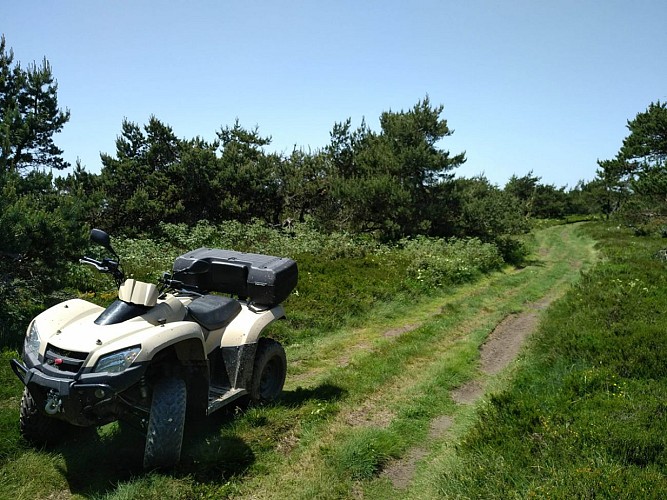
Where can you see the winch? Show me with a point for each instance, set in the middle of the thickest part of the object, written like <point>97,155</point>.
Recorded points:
<point>53,403</point>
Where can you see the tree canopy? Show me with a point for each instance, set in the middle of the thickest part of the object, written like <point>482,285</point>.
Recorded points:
<point>635,181</point>
<point>646,145</point>
<point>29,115</point>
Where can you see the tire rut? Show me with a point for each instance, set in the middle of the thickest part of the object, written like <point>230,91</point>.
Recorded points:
<point>498,351</point>
<point>376,408</point>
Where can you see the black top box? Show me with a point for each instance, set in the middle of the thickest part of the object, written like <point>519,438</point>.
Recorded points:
<point>263,279</point>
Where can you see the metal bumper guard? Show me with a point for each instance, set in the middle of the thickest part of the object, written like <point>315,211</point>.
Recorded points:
<point>86,400</point>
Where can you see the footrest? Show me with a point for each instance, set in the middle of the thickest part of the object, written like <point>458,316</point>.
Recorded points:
<point>222,396</point>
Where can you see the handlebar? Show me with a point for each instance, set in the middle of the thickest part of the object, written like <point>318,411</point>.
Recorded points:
<point>168,283</point>
<point>105,266</point>
<point>95,263</point>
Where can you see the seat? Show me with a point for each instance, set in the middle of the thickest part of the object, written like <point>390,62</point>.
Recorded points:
<point>214,311</point>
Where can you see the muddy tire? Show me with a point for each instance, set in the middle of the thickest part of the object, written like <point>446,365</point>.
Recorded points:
<point>269,371</point>
<point>164,436</point>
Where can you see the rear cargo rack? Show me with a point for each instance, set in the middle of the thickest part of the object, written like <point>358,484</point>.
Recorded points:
<point>264,280</point>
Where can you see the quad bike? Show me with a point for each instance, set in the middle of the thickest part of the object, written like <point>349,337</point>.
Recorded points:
<point>157,351</point>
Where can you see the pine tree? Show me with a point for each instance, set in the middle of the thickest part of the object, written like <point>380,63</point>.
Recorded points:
<point>29,115</point>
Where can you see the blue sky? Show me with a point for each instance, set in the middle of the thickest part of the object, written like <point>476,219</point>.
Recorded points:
<point>526,85</point>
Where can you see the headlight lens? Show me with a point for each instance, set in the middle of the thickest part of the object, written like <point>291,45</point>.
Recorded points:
<point>32,340</point>
<point>117,362</point>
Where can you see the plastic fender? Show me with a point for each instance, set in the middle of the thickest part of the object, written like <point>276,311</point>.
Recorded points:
<point>155,339</point>
<point>169,310</point>
<point>247,326</point>
<point>50,321</point>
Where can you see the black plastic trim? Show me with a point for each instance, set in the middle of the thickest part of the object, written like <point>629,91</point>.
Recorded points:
<point>119,311</point>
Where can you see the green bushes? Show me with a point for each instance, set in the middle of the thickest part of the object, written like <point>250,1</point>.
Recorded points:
<point>259,237</point>
<point>341,276</point>
<point>436,262</point>
<point>40,232</point>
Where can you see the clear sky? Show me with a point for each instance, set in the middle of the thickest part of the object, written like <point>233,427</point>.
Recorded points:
<point>546,86</point>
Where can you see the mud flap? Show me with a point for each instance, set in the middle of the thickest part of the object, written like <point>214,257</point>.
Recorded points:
<point>238,363</point>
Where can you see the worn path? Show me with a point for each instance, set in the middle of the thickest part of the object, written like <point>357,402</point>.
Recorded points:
<point>492,318</point>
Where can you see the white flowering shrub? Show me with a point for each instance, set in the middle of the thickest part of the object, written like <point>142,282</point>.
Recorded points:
<point>436,262</point>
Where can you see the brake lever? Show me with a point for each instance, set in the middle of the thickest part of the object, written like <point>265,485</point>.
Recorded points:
<point>95,263</point>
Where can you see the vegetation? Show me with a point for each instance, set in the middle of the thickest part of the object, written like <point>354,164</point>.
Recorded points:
<point>385,186</point>
<point>40,229</point>
<point>405,269</point>
<point>583,417</point>
<point>29,115</point>
<point>635,180</point>
<point>388,359</point>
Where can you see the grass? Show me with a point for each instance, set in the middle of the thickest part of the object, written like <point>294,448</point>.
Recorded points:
<point>585,414</point>
<point>356,399</point>
<point>399,386</point>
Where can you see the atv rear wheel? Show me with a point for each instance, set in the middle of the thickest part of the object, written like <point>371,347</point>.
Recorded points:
<point>35,427</point>
<point>269,371</point>
<point>164,436</point>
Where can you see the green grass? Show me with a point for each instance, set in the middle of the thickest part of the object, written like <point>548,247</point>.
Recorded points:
<point>356,399</point>
<point>401,384</point>
<point>585,415</point>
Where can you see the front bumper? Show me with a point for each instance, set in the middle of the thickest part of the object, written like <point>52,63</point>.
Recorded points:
<point>82,399</point>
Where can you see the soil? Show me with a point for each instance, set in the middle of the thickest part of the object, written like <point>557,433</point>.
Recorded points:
<point>347,357</point>
<point>500,349</point>
<point>368,415</point>
<point>396,332</point>
<point>505,341</point>
<point>468,393</point>
<point>400,472</point>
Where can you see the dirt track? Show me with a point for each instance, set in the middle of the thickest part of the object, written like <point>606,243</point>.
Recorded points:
<point>465,340</point>
<point>500,349</point>
<point>502,346</point>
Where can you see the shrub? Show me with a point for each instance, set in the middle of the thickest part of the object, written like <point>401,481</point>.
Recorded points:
<point>437,262</point>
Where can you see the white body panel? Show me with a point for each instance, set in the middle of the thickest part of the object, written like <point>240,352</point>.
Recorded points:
<point>71,326</point>
<point>247,326</point>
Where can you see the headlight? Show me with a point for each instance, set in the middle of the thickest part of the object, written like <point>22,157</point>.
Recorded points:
<point>32,340</point>
<point>118,361</point>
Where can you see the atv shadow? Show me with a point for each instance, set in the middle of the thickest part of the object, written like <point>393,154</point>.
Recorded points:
<point>323,392</point>
<point>98,461</point>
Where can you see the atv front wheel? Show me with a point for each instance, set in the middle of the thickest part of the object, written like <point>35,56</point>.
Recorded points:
<point>164,436</point>
<point>269,371</point>
<point>35,427</point>
<point>41,430</point>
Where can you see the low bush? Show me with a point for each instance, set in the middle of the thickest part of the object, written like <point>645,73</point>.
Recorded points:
<point>341,276</point>
<point>437,262</point>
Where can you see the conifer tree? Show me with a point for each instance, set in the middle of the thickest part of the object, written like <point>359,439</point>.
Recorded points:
<point>29,115</point>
